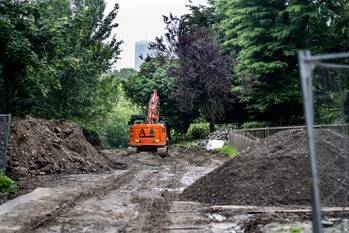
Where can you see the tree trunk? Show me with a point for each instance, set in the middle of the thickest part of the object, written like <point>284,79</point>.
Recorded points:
<point>212,122</point>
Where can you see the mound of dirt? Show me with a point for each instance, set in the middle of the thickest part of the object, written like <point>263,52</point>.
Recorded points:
<point>276,172</point>
<point>39,147</point>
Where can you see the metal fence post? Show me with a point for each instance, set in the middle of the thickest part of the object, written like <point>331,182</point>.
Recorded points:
<point>306,71</point>
<point>6,124</point>
<point>7,134</point>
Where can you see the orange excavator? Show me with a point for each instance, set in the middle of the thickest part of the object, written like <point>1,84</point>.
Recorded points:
<point>149,133</point>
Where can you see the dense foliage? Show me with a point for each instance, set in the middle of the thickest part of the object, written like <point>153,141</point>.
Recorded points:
<point>203,79</point>
<point>232,61</point>
<point>262,39</point>
<point>198,131</point>
<point>203,74</point>
<point>52,55</point>
<point>154,74</point>
<point>116,132</point>
<point>265,36</point>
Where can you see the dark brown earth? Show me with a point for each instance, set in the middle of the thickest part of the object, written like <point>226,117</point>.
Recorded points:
<point>40,147</point>
<point>276,172</point>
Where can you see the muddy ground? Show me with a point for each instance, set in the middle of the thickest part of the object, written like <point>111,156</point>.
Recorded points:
<point>141,198</point>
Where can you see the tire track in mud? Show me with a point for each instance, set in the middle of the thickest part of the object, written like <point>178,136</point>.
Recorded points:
<point>137,200</point>
<point>154,209</point>
<point>88,192</point>
<point>152,203</point>
<point>157,218</point>
<point>151,207</point>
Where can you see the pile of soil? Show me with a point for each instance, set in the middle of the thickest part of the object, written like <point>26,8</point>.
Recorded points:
<point>39,147</point>
<point>276,172</point>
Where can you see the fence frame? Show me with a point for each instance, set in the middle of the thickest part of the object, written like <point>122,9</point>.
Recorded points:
<point>267,131</point>
<point>307,64</point>
<point>6,139</point>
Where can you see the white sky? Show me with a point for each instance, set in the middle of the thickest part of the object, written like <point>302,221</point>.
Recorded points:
<point>142,20</point>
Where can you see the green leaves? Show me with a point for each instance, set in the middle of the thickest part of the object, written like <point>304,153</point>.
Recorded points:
<point>265,37</point>
<point>7,185</point>
<point>52,57</point>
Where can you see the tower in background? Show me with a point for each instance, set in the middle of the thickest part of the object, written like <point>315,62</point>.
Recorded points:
<point>141,50</point>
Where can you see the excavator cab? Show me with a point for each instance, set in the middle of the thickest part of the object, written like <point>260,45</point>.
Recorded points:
<point>137,119</point>
<point>149,133</point>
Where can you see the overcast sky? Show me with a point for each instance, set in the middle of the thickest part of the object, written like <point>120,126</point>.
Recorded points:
<point>142,20</point>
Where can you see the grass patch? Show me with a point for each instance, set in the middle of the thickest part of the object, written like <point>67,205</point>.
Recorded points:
<point>188,144</point>
<point>7,185</point>
<point>228,149</point>
<point>296,230</point>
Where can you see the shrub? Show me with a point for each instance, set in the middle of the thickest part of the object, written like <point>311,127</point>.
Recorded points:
<point>7,185</point>
<point>117,134</point>
<point>198,131</point>
<point>253,125</point>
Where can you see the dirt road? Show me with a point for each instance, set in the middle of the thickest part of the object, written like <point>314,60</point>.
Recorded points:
<point>139,199</point>
<point>142,198</point>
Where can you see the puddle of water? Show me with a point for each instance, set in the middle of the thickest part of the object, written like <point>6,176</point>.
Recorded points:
<point>176,190</point>
<point>166,176</point>
<point>216,217</point>
<point>225,228</point>
<point>193,174</point>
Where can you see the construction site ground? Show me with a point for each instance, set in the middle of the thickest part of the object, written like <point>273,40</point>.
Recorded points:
<point>142,198</point>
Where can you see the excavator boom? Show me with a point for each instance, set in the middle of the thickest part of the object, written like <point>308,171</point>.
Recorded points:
<point>153,108</point>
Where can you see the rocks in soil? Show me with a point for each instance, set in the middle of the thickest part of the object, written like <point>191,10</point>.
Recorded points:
<point>39,147</point>
<point>226,133</point>
<point>276,172</point>
<point>240,139</point>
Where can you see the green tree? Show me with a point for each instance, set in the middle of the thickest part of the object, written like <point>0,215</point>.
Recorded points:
<point>265,36</point>
<point>116,132</point>
<point>124,74</point>
<point>52,56</point>
<point>154,74</point>
<point>24,47</point>
<point>82,57</point>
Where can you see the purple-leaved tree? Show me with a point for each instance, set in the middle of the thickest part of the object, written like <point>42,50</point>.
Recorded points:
<point>203,77</point>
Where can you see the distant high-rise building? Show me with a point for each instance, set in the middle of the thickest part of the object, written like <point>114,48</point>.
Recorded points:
<point>141,50</point>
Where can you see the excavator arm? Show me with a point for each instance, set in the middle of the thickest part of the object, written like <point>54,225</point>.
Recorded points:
<point>153,108</point>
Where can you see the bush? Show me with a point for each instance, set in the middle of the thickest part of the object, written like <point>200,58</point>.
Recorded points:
<point>198,131</point>
<point>117,134</point>
<point>7,185</point>
<point>253,125</point>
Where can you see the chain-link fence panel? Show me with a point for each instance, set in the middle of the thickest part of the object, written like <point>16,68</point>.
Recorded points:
<point>5,121</point>
<point>325,81</point>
